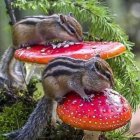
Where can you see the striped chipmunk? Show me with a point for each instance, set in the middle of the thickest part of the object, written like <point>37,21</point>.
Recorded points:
<point>33,30</point>
<point>60,76</point>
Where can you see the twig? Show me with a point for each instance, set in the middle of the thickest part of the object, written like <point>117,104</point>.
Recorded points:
<point>10,11</point>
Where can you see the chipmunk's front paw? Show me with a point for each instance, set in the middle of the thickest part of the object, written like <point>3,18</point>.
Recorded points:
<point>86,98</point>
<point>59,99</point>
<point>25,45</point>
<point>63,44</point>
<point>66,44</point>
<point>28,44</point>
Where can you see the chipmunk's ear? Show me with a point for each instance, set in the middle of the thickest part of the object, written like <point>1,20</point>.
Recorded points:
<point>92,60</point>
<point>70,14</point>
<point>62,19</point>
<point>89,62</point>
<point>97,55</point>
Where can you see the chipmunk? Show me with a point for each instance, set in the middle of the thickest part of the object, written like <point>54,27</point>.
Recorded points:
<point>60,76</point>
<point>33,30</point>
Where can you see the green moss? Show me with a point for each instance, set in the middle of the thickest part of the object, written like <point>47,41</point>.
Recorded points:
<point>14,117</point>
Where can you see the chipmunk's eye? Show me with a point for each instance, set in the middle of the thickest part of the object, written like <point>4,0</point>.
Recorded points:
<point>72,29</point>
<point>97,66</point>
<point>107,74</point>
<point>101,70</point>
<point>110,78</point>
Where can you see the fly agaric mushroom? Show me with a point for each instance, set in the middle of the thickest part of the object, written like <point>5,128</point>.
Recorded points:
<point>107,111</point>
<point>82,50</point>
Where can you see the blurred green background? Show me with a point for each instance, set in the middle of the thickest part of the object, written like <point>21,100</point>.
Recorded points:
<point>126,13</point>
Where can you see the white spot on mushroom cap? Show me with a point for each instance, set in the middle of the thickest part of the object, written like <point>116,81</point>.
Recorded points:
<point>48,51</point>
<point>77,43</point>
<point>74,102</point>
<point>43,50</point>
<point>66,46</point>
<point>72,113</point>
<point>92,95</point>
<point>89,121</point>
<point>81,105</point>
<point>86,56</point>
<point>100,102</point>
<point>20,54</point>
<point>28,48</point>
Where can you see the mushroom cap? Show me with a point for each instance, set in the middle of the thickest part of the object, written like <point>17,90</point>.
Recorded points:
<point>107,111</point>
<point>82,50</point>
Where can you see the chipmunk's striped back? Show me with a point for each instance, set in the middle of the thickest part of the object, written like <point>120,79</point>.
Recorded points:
<point>33,20</point>
<point>63,66</point>
<point>67,23</point>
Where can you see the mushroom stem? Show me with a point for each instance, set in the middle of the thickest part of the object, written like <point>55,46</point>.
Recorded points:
<point>33,69</point>
<point>30,71</point>
<point>91,135</point>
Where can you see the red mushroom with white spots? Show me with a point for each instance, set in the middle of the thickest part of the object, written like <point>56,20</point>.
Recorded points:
<point>107,111</point>
<point>83,50</point>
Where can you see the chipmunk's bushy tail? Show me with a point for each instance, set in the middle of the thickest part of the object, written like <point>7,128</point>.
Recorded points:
<point>4,66</point>
<point>37,121</point>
